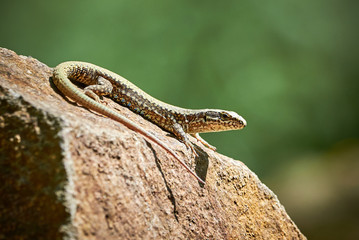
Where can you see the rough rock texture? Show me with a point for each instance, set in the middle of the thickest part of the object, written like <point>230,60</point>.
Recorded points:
<point>67,172</point>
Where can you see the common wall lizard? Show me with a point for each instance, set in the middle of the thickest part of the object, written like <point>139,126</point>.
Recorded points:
<point>179,121</point>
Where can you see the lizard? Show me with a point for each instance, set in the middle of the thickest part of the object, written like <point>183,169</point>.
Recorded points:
<point>178,121</point>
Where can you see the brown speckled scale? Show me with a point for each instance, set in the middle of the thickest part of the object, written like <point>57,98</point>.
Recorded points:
<point>179,121</point>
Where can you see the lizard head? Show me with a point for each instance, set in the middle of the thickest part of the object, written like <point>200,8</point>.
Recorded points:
<point>213,120</point>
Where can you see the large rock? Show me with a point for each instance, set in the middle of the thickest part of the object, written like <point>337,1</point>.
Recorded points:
<point>67,172</point>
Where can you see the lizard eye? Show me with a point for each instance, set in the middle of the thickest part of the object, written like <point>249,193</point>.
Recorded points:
<point>211,116</point>
<point>224,116</point>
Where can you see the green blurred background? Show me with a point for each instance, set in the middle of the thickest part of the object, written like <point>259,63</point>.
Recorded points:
<point>289,67</point>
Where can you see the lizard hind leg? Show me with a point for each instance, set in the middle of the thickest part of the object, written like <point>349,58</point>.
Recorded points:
<point>102,88</point>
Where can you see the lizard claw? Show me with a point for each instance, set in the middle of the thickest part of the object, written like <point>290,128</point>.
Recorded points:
<point>190,146</point>
<point>92,95</point>
<point>95,97</point>
<point>204,142</point>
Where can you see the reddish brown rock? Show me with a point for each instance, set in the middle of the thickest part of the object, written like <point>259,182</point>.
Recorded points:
<point>67,172</point>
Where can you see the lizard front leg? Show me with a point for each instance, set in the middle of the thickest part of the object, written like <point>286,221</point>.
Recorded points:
<point>204,142</point>
<point>177,130</point>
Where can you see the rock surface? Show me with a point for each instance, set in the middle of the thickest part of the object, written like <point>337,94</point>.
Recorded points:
<point>68,173</point>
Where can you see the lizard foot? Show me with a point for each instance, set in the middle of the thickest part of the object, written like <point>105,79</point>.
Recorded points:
<point>201,140</point>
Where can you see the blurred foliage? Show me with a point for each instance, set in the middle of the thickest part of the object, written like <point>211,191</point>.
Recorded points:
<point>289,67</point>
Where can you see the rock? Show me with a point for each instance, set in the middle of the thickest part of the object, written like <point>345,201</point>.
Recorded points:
<point>70,173</point>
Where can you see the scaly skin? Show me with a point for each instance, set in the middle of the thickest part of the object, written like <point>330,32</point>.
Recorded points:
<point>179,121</point>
